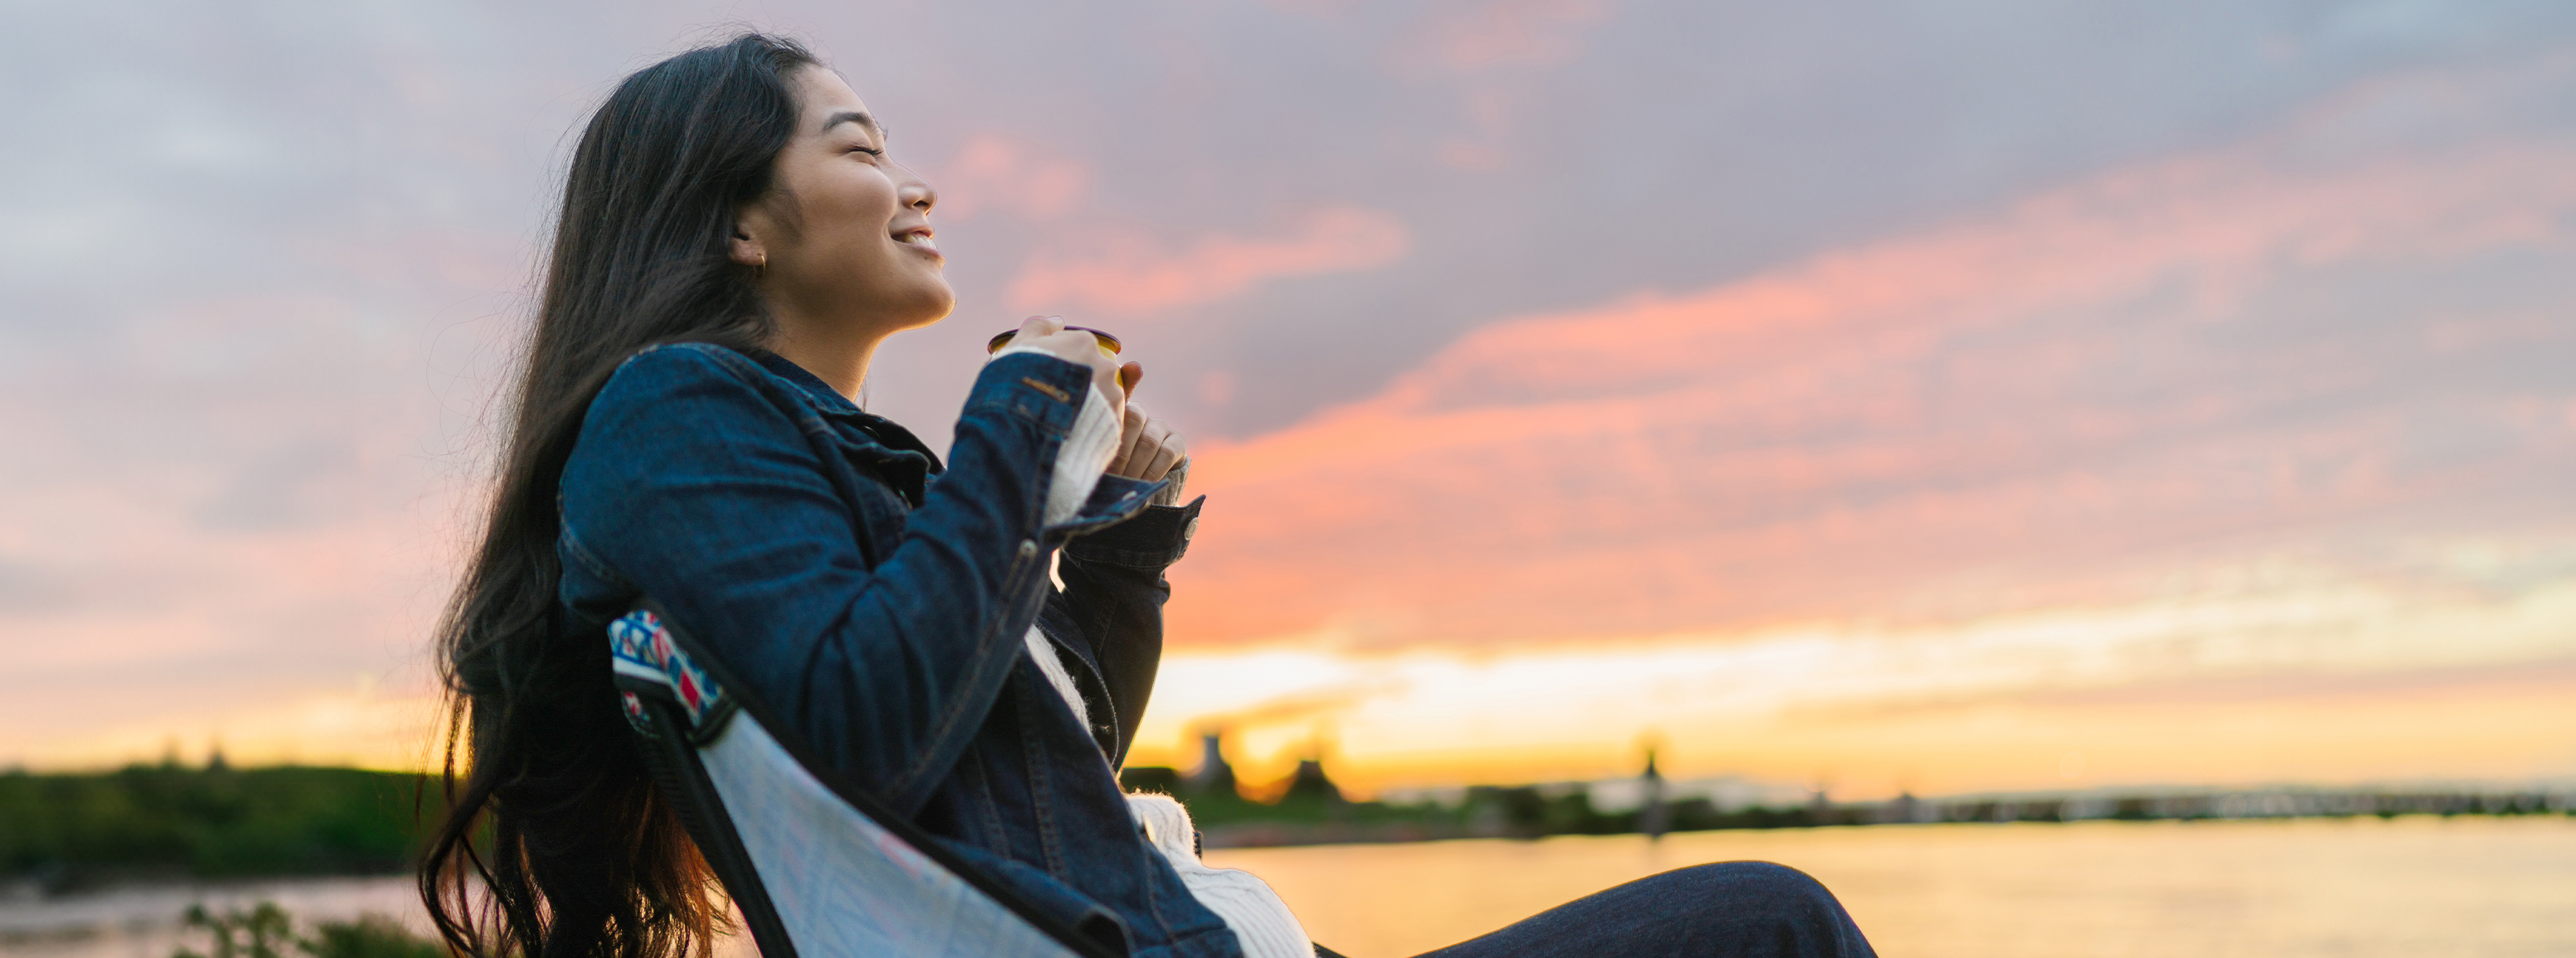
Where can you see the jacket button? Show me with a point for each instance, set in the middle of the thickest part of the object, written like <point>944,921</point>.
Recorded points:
<point>1028,548</point>
<point>1190,530</point>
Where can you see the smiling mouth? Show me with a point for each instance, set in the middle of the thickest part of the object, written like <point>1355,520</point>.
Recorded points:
<point>918,239</point>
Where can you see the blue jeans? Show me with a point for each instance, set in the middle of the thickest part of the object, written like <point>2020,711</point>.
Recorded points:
<point>1748,909</point>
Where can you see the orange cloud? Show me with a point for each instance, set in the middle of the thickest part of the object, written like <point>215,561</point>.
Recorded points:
<point>1126,272</point>
<point>2121,696</point>
<point>2030,408</point>
<point>231,540</point>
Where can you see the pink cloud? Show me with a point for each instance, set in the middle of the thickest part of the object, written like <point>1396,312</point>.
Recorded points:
<point>212,534</point>
<point>995,172</point>
<point>1494,52</point>
<point>1127,272</point>
<point>2013,408</point>
<point>1508,33</point>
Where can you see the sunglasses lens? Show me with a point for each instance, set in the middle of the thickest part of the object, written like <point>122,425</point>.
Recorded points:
<point>1108,343</point>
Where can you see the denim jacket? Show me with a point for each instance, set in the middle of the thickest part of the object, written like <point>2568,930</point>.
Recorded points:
<point>880,602</point>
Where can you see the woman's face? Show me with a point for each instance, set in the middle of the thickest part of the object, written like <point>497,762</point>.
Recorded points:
<point>846,231</point>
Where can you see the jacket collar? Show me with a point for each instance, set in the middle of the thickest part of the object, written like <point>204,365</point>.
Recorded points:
<point>830,402</point>
<point>815,388</point>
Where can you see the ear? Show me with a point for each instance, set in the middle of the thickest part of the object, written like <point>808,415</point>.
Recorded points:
<point>746,246</point>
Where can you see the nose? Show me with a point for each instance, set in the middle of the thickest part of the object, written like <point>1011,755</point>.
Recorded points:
<point>915,192</point>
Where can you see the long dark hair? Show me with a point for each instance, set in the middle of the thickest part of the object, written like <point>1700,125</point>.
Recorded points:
<point>555,817</point>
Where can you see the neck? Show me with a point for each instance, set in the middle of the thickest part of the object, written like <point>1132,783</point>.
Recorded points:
<point>838,357</point>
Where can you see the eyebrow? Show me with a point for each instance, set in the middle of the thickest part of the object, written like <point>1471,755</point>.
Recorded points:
<point>852,116</point>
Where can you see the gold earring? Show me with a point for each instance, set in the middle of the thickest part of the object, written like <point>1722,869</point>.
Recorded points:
<point>761,270</point>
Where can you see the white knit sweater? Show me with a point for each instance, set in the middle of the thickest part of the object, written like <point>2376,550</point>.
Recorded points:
<point>1260,919</point>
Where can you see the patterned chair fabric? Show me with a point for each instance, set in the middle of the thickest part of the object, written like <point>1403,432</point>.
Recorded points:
<point>815,870</point>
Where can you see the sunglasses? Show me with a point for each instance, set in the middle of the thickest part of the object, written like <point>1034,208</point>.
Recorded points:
<point>1108,344</point>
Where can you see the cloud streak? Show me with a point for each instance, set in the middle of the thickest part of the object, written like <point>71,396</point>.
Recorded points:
<point>2270,345</point>
<point>2276,681</point>
<point>1959,346</point>
<point>1126,272</point>
<point>996,172</point>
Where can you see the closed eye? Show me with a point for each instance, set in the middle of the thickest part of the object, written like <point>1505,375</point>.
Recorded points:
<point>871,151</point>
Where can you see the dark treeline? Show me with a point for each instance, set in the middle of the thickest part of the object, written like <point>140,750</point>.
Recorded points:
<point>147,822</point>
<point>1313,812</point>
<point>166,822</point>
<point>1315,816</point>
<point>2209,805</point>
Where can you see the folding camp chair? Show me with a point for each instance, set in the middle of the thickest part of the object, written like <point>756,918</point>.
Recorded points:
<point>817,867</point>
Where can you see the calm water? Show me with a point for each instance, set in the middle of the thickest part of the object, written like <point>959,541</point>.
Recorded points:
<point>2354,889</point>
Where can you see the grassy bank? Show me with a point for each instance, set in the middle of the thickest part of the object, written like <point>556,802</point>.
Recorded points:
<point>1319,815</point>
<point>166,821</point>
<point>1312,812</point>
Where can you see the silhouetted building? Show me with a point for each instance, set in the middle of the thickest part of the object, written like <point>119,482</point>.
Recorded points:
<point>1310,783</point>
<point>1214,775</point>
<point>1903,808</point>
<point>1652,817</point>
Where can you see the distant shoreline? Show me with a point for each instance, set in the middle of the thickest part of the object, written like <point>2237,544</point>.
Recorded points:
<point>149,825</point>
<point>1686,817</point>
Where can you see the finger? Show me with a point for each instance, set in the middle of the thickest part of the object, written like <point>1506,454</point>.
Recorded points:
<point>1131,431</point>
<point>1154,448</point>
<point>1160,466</point>
<point>1036,332</point>
<point>1166,455</point>
<point>1029,330</point>
<point>1079,347</point>
<point>1131,374</point>
<point>1105,378</point>
<point>1038,326</point>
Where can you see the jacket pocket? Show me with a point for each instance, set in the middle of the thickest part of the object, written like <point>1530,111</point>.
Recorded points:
<point>1088,918</point>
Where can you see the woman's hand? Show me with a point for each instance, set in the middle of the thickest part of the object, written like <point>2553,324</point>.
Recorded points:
<point>1047,334</point>
<point>1148,449</point>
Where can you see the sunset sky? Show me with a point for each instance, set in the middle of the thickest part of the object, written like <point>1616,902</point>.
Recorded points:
<point>1945,397</point>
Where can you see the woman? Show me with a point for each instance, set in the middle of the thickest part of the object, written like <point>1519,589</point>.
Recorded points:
<point>733,245</point>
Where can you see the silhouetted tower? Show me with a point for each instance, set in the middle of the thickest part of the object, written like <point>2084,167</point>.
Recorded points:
<point>1213,776</point>
<point>1652,817</point>
<point>1310,783</point>
<point>1903,808</point>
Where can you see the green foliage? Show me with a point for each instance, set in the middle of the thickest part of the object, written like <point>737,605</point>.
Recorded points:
<point>208,823</point>
<point>265,930</point>
<point>371,936</point>
<point>1533,812</point>
<point>257,933</point>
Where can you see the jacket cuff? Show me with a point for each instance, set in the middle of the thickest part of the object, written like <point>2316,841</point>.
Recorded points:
<point>1083,457</point>
<point>1158,536</point>
<point>1038,388</point>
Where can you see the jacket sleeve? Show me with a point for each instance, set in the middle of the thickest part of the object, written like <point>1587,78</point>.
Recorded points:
<point>1113,594</point>
<point>693,486</point>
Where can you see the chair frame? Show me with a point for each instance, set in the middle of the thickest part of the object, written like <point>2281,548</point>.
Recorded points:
<point>669,742</point>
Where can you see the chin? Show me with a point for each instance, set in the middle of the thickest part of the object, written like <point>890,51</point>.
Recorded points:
<point>932,305</point>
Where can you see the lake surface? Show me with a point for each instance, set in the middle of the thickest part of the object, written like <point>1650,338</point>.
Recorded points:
<point>2360,888</point>
<point>2356,888</point>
